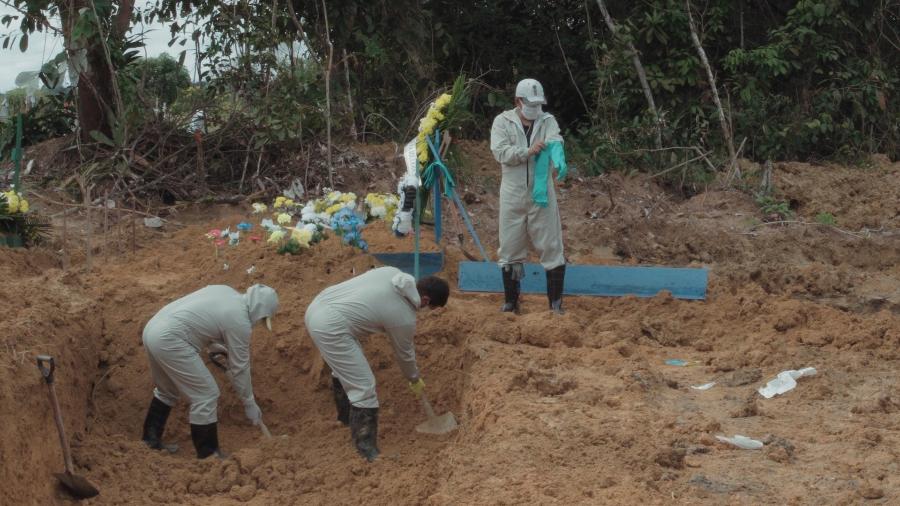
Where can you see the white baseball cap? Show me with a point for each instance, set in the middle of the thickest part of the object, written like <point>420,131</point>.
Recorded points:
<point>531,92</point>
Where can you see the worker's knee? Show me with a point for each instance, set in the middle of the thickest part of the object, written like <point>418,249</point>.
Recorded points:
<point>166,397</point>
<point>204,412</point>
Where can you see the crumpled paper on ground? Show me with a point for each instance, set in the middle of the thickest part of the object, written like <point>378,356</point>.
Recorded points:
<point>742,442</point>
<point>785,382</point>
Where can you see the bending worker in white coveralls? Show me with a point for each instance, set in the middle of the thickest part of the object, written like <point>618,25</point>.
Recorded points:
<point>216,317</point>
<point>382,300</point>
<point>517,137</point>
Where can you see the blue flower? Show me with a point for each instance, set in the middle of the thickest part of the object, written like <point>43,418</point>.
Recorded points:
<point>244,226</point>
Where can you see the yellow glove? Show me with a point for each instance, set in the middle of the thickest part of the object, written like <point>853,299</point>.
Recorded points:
<point>417,387</point>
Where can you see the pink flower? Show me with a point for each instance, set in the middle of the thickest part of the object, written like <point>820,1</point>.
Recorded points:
<point>254,238</point>
<point>220,242</point>
<point>213,234</point>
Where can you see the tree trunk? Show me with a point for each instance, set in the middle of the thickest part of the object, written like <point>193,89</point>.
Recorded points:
<point>95,92</point>
<point>642,76</point>
<point>726,131</point>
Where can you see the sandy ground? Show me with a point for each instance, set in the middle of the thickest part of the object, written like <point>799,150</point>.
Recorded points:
<point>554,410</point>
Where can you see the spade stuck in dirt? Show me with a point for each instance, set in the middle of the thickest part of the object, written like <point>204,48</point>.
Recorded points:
<point>77,485</point>
<point>436,424</point>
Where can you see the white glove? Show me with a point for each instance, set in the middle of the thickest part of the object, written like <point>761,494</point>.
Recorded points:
<point>251,410</point>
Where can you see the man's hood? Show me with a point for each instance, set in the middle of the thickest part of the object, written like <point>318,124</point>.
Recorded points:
<point>262,302</point>
<point>405,285</point>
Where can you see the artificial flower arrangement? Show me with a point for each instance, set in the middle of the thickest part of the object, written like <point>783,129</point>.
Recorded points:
<point>446,113</point>
<point>347,225</point>
<point>381,206</point>
<point>18,225</point>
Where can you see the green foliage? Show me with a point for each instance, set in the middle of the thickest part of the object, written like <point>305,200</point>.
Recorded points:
<point>291,247</point>
<point>29,227</point>
<point>774,208</point>
<point>163,78</point>
<point>826,219</point>
<point>817,87</point>
<point>51,116</point>
<point>807,79</point>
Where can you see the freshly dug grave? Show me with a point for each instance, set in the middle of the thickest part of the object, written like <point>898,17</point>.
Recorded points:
<point>554,410</point>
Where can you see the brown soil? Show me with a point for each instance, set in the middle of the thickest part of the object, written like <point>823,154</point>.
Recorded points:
<point>553,410</point>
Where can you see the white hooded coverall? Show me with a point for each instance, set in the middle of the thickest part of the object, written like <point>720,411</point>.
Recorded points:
<point>176,335</point>
<point>382,300</point>
<point>520,218</point>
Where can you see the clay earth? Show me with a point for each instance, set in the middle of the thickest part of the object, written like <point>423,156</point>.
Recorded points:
<point>572,409</point>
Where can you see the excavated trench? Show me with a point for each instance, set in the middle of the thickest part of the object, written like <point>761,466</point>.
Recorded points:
<point>579,409</point>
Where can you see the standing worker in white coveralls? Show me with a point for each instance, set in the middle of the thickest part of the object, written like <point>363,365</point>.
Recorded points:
<point>381,300</point>
<point>517,137</point>
<point>216,317</point>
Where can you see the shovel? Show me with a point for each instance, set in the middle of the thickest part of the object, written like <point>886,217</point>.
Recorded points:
<point>436,424</point>
<point>218,359</point>
<point>78,486</point>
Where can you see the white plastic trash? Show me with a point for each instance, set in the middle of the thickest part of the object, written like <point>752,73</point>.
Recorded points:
<point>741,442</point>
<point>154,222</point>
<point>705,386</point>
<point>785,382</point>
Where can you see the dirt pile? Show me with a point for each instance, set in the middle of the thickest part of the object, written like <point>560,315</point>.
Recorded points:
<point>579,409</point>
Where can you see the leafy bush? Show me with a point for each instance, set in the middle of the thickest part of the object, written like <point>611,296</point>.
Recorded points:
<point>826,219</point>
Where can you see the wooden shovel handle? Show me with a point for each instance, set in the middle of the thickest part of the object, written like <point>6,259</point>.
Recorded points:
<point>47,373</point>
<point>429,411</point>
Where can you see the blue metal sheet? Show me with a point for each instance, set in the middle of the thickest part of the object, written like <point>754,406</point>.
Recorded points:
<point>604,280</point>
<point>429,263</point>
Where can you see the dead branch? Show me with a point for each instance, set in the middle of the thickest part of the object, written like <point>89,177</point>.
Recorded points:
<point>726,131</point>
<point>569,70</point>
<point>639,68</point>
<point>328,93</point>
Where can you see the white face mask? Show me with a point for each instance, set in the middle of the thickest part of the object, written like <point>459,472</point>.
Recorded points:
<point>531,112</point>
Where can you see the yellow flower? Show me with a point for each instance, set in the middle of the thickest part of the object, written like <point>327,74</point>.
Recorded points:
<point>12,202</point>
<point>279,202</point>
<point>23,206</point>
<point>276,236</point>
<point>302,236</point>
<point>288,202</point>
<point>259,207</point>
<point>333,209</point>
<point>284,218</point>
<point>443,101</point>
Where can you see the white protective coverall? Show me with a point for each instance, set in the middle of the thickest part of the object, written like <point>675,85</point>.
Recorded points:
<point>382,300</point>
<point>176,335</point>
<point>520,218</point>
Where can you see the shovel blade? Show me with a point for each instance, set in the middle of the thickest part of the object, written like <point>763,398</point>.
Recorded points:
<point>78,486</point>
<point>438,424</point>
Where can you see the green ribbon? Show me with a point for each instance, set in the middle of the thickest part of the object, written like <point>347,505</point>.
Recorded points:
<point>437,169</point>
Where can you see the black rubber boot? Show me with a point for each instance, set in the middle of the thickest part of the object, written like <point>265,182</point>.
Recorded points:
<point>511,290</point>
<point>155,425</point>
<point>340,401</point>
<point>206,440</point>
<point>555,281</point>
<point>364,430</point>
